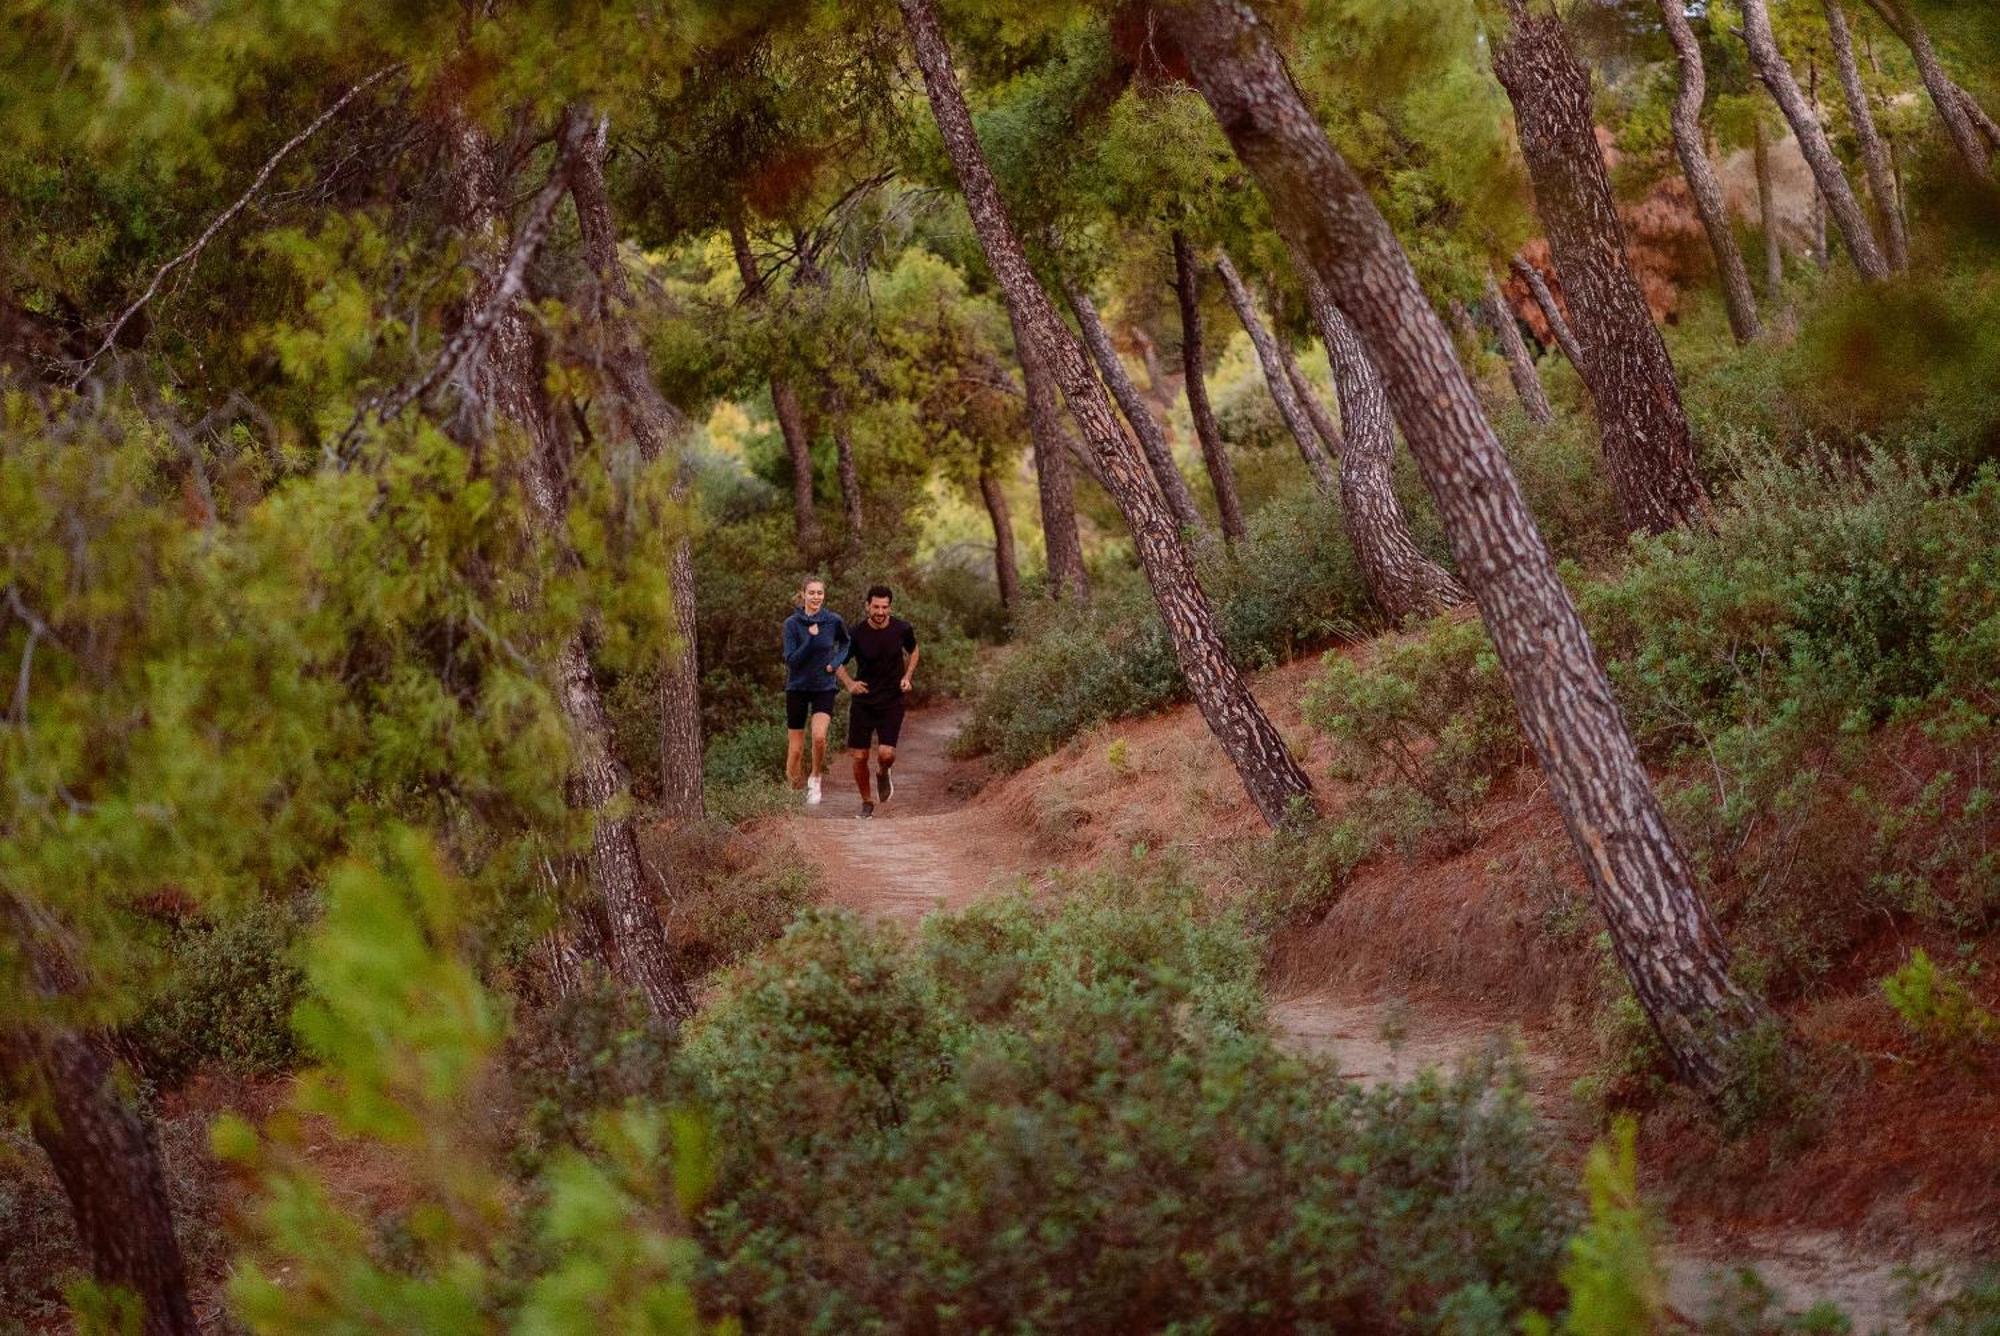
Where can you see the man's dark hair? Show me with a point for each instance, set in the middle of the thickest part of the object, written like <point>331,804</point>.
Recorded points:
<point>881,591</point>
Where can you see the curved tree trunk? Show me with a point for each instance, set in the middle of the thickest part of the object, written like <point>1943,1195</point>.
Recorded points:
<point>1289,407</point>
<point>1767,213</point>
<point>1552,312</point>
<point>1659,927</point>
<point>1214,450</point>
<point>107,1159</point>
<point>1152,439</point>
<point>1052,476</point>
<point>850,476</point>
<point>1006,568</point>
<point>1263,762</point>
<point>1951,100</point>
<point>784,404</point>
<point>1831,177</point>
<point>1514,350</point>
<point>1691,146</point>
<point>1401,579</point>
<point>1323,424</point>
<point>654,426</point>
<point>1875,162</point>
<point>512,376</point>
<point>1647,447</point>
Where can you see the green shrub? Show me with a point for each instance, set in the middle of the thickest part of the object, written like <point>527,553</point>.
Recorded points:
<point>1935,1004</point>
<point>1070,1115</point>
<point>228,999</point>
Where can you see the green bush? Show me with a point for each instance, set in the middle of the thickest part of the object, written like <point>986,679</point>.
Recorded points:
<point>1292,585</point>
<point>228,999</point>
<point>1934,1003</point>
<point>1070,1115</point>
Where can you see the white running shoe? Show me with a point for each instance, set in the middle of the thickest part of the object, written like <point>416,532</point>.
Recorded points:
<point>812,790</point>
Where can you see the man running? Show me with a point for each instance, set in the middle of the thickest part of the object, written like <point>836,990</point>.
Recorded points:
<point>816,644</point>
<point>885,648</point>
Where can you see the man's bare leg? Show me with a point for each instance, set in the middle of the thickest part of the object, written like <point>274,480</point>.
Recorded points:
<point>885,756</point>
<point>860,755</point>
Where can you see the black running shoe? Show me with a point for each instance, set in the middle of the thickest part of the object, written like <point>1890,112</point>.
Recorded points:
<point>867,810</point>
<point>884,783</point>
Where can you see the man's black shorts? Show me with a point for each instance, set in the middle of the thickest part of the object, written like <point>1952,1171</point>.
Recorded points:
<point>798,704</point>
<point>881,716</point>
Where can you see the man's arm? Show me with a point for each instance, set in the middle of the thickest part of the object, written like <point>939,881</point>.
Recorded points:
<point>910,663</point>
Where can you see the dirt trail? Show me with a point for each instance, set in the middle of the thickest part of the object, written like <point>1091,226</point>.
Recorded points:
<point>934,847</point>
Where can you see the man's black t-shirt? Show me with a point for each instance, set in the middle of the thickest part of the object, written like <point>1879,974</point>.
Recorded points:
<point>880,653</point>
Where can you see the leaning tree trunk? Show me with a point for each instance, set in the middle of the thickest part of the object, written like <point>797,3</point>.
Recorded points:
<point>510,372</point>
<point>1006,568</point>
<point>850,475</point>
<point>1052,476</point>
<point>1274,781</point>
<point>654,426</point>
<point>107,1159</point>
<point>1401,579</point>
<point>1691,146</point>
<point>1660,929</point>
<point>1552,312</point>
<point>784,403</point>
<point>1214,450</point>
<point>1323,424</point>
<point>1875,161</point>
<point>1152,438</point>
<point>1831,177</point>
<point>1289,407</point>
<point>1648,450</point>
<point>1951,100</point>
<point>1514,351</point>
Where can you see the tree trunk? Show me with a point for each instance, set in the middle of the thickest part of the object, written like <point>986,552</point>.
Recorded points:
<point>1289,408</point>
<point>1767,212</point>
<point>1647,448</point>
<point>1892,13</point>
<point>1874,153</point>
<point>1514,349</point>
<point>1324,427</point>
<point>107,1159</point>
<point>784,403</point>
<point>1822,253</point>
<point>1659,927</point>
<point>1214,450</point>
<point>1051,443</point>
<point>1006,569</point>
<point>512,375</point>
<point>654,426</point>
<point>1951,100</point>
<point>1777,77</point>
<point>1274,781</point>
<point>1552,312</point>
<point>1691,146</point>
<point>1152,439</point>
<point>850,476</point>
<point>1401,579</point>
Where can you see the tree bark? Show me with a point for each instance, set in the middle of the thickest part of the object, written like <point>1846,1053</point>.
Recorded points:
<point>784,403</point>
<point>1691,146</point>
<point>1647,447</point>
<point>1777,77</point>
<point>1273,780</point>
<point>1401,579</point>
<point>1152,439</point>
<point>512,375</point>
<point>1552,312</point>
<point>1767,212</point>
<point>1214,450</point>
<point>1514,350</point>
<point>1324,426</point>
<point>1289,409</point>
<point>850,475</point>
<point>1874,152</point>
<point>1951,100</point>
<point>1057,487</point>
<point>654,426</point>
<point>107,1159</point>
<point>1659,927</point>
<point>1006,568</point>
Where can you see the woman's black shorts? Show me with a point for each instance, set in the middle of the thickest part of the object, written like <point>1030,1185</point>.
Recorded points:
<point>867,714</point>
<point>799,704</point>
